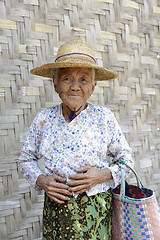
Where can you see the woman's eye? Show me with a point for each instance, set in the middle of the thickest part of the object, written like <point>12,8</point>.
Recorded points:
<point>84,80</point>
<point>66,79</point>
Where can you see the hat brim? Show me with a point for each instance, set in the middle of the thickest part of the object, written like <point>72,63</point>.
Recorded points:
<point>47,70</point>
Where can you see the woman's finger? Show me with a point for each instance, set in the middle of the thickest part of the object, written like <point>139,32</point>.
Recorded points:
<point>81,191</point>
<point>78,176</point>
<point>80,188</point>
<point>59,196</point>
<point>83,169</point>
<point>77,182</point>
<point>60,185</point>
<point>56,199</point>
<point>59,178</point>
<point>53,183</point>
<point>61,191</point>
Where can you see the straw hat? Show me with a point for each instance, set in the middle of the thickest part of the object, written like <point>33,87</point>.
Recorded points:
<point>74,53</point>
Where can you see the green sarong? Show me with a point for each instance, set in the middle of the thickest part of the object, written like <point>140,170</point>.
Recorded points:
<point>82,218</point>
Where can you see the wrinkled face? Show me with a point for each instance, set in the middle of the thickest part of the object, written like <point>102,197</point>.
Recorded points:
<point>74,86</point>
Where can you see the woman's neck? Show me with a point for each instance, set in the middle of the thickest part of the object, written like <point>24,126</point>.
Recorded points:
<point>70,114</point>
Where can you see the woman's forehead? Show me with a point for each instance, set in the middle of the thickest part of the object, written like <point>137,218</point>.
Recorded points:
<point>72,70</point>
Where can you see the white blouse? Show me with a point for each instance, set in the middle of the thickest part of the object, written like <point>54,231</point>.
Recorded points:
<point>93,138</point>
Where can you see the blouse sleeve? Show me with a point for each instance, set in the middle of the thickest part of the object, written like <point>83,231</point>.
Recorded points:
<point>28,160</point>
<point>119,150</point>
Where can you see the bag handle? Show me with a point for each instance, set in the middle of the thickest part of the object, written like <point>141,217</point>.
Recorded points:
<point>121,163</point>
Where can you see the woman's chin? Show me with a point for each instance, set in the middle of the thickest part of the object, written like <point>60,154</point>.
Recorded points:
<point>74,105</point>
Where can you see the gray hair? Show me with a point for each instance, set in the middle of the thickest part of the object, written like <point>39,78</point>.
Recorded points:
<point>55,76</point>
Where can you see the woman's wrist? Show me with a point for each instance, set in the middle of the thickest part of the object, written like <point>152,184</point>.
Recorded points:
<point>106,175</point>
<point>41,180</point>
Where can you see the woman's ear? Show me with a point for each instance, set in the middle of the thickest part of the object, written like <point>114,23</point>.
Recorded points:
<point>55,81</point>
<point>55,87</point>
<point>94,85</point>
<point>55,75</point>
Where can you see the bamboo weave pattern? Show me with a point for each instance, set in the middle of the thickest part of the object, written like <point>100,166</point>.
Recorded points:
<point>125,37</point>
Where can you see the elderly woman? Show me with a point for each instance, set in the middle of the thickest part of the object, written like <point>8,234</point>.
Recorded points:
<point>77,140</point>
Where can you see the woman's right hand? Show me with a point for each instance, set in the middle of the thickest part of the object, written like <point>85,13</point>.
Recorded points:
<point>54,187</point>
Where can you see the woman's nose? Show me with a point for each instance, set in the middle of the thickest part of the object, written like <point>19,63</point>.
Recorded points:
<point>75,86</point>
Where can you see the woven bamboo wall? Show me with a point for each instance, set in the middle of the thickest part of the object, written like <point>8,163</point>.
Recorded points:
<point>125,37</point>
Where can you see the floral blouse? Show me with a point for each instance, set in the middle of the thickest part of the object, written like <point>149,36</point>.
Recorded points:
<point>92,138</point>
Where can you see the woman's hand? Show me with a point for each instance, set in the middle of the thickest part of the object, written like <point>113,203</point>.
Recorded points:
<point>87,178</point>
<point>54,187</point>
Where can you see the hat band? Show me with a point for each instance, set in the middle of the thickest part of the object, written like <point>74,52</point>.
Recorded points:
<point>75,53</point>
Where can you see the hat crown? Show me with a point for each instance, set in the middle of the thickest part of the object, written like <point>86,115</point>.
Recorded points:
<point>75,47</point>
<point>74,53</point>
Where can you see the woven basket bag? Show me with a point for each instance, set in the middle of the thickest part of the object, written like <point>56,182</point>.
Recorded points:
<point>136,213</point>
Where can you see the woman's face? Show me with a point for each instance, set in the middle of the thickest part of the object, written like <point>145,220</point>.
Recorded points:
<point>74,86</point>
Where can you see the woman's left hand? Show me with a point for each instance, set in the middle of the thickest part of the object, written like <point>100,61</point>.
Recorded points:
<point>87,177</point>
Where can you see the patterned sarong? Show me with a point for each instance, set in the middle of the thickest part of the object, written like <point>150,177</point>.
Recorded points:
<point>83,218</point>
